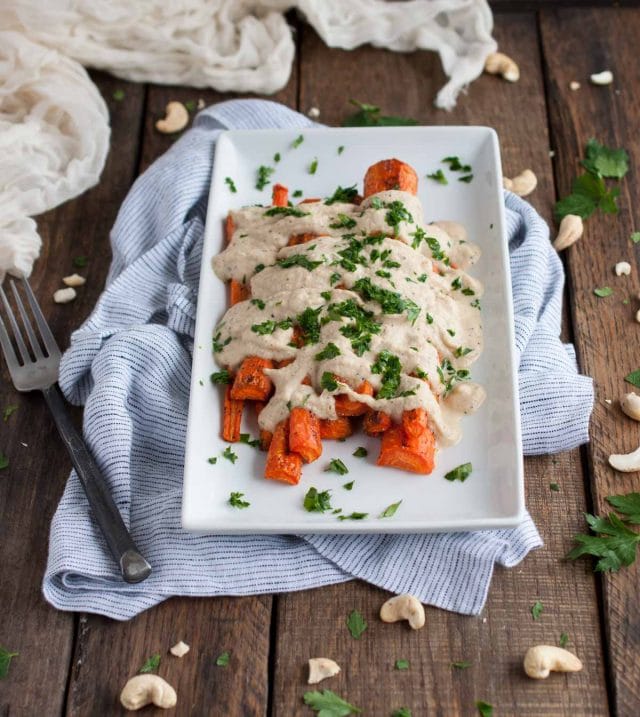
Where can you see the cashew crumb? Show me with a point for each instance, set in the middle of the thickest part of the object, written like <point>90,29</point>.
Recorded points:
<point>623,268</point>
<point>403,607</point>
<point>540,660</point>
<point>176,118</point>
<point>607,401</point>
<point>314,112</point>
<point>320,668</point>
<point>573,85</point>
<point>64,296</point>
<point>626,462</point>
<point>143,690</point>
<point>497,63</point>
<point>200,104</point>
<point>602,78</point>
<point>74,280</point>
<point>180,649</point>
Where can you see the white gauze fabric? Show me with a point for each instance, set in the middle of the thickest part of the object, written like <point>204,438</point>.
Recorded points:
<point>54,138</point>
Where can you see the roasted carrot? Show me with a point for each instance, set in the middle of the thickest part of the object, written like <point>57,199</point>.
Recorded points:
<point>346,406</point>
<point>390,174</point>
<point>296,239</point>
<point>304,434</point>
<point>376,422</point>
<point>238,292</point>
<point>281,464</point>
<point>231,417</point>
<point>335,429</point>
<point>229,228</point>
<point>251,383</point>
<point>410,446</point>
<point>279,196</point>
<point>265,436</point>
<point>310,200</point>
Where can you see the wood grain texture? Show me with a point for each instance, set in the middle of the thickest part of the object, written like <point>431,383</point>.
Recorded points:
<point>607,337</point>
<point>39,465</point>
<point>495,642</point>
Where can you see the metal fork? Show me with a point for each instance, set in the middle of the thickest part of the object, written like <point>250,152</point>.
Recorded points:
<point>40,373</point>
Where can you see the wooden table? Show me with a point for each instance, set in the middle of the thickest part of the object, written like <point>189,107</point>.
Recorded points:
<point>76,664</point>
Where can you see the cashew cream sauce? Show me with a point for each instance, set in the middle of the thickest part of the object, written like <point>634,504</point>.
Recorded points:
<point>407,279</point>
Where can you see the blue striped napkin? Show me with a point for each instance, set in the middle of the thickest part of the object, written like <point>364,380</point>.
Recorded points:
<point>130,364</point>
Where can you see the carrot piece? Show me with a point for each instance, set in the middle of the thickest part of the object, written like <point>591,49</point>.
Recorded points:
<point>238,292</point>
<point>231,417</point>
<point>390,174</point>
<point>251,383</point>
<point>376,422</point>
<point>346,406</point>
<point>296,239</point>
<point>335,429</point>
<point>229,228</point>
<point>304,434</point>
<point>410,446</point>
<point>279,195</point>
<point>281,464</point>
<point>310,200</point>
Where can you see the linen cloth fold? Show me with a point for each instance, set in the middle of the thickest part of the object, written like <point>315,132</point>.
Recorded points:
<point>130,365</point>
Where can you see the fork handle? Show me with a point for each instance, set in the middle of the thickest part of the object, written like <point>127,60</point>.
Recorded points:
<point>133,567</point>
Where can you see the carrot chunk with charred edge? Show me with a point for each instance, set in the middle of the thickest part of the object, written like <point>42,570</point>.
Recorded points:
<point>376,422</point>
<point>390,174</point>
<point>231,417</point>
<point>281,464</point>
<point>335,429</point>
<point>410,446</point>
<point>279,196</point>
<point>346,406</point>
<point>238,292</point>
<point>304,434</point>
<point>251,383</point>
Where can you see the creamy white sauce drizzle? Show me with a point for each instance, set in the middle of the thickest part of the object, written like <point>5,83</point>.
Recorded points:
<point>424,305</point>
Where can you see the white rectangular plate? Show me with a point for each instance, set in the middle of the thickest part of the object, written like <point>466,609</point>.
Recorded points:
<point>493,496</point>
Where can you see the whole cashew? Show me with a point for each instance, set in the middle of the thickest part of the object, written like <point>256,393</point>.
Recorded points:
<point>570,230</point>
<point>403,607</point>
<point>626,462</point>
<point>320,668</point>
<point>144,690</point>
<point>622,268</point>
<point>74,280</point>
<point>497,63</point>
<point>540,660</point>
<point>523,184</point>
<point>64,296</point>
<point>176,118</point>
<point>630,404</point>
<point>602,78</point>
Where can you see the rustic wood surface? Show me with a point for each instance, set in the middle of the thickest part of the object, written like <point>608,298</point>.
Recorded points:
<point>76,664</point>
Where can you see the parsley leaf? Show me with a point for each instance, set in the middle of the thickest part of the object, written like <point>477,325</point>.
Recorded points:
<point>9,411</point>
<point>390,510</point>
<point>151,665</point>
<point>343,221</point>
<point>628,505</point>
<point>460,473</point>
<point>212,460</point>
<point>220,377</point>
<point>461,664</point>
<point>536,609</point>
<point>229,454</point>
<point>80,262</point>
<point>402,664</point>
<point>298,260</point>
<point>4,461</point>
<point>313,166</point>
<point>349,485</point>
<point>389,366</point>
<point>588,193</point>
<point>315,502</point>
<point>285,212</point>
<point>337,466</point>
<point>402,712</point>
<point>345,195</point>
<point>297,141</point>
<point>604,161</point>
<point>223,659</point>
<point>633,378</point>
<point>635,237</point>
<point>361,452</point>
<point>118,95</point>
<point>328,352</point>
<point>309,325</point>
<point>438,176</point>
<point>269,326</point>
<point>328,382</point>
<point>467,179</point>
<point>264,176</point>
<point>329,704</point>
<point>356,624</point>
<point>564,639</point>
<point>231,184</point>
<point>369,116</point>
<point>353,516</point>
<point>603,291</point>
<point>5,661</point>
<point>235,500</point>
<point>484,709</point>
<point>554,487</point>
<point>246,438</point>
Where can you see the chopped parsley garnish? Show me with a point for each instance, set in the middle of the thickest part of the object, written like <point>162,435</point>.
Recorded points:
<point>456,284</point>
<point>336,466</point>
<point>335,278</point>
<point>360,331</point>
<point>277,157</point>
<point>361,452</point>
<point>455,165</point>
<point>285,212</point>
<point>397,213</point>
<point>633,378</point>
<point>460,473</point>
<point>468,291</point>
<point>315,502</point>
<point>353,516</point>
<point>80,262</point>
<point>309,325</point>
<point>369,116</point>
<point>466,179</point>
<point>536,609</point>
<point>349,485</point>
<point>297,193</point>
<point>151,665</point>
<point>118,95</point>
<point>329,704</point>
<point>269,326</point>
<point>401,664</point>
<point>223,659</point>
<point>328,382</point>
<point>389,367</point>
<point>422,278</point>
<point>235,500</point>
<point>298,260</point>
<point>341,149</point>
<point>484,709</point>
<point>345,195</point>
<point>259,303</point>
<point>356,624</point>
<point>603,291</point>
<point>297,141</point>
<point>258,268</point>
<point>428,318</point>
<point>246,438</point>
<point>4,461</point>
<point>476,304</point>
<point>9,411</point>
<point>564,639</point>
<point>461,664</point>
<point>264,176</point>
<point>326,295</point>
<point>230,183</point>
<point>420,373</point>
<point>5,661</point>
<point>313,166</point>
<point>191,105</point>
<point>449,375</point>
<point>391,302</point>
<point>554,487</point>
<point>351,255</point>
<point>343,221</point>
<point>218,345</point>
<point>462,351</point>
<point>390,510</point>
<point>402,712</point>
<point>451,332</point>
<point>229,454</point>
<point>438,176</point>
<point>328,352</point>
<point>220,377</point>
<point>212,460</point>
<point>635,237</point>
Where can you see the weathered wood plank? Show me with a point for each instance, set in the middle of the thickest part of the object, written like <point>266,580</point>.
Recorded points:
<point>606,333</point>
<point>39,465</point>
<point>312,623</point>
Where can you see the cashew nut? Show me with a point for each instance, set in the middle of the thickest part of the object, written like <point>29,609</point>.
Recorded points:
<point>543,659</point>
<point>74,280</point>
<point>570,230</point>
<point>626,462</point>
<point>320,668</point>
<point>314,112</point>
<point>630,404</point>
<point>143,690</point>
<point>623,267</point>
<point>573,85</point>
<point>64,296</point>
<point>523,184</point>
<point>180,649</point>
<point>403,607</point>
<point>497,63</point>
<point>638,316</point>
<point>176,118</point>
<point>602,78</point>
